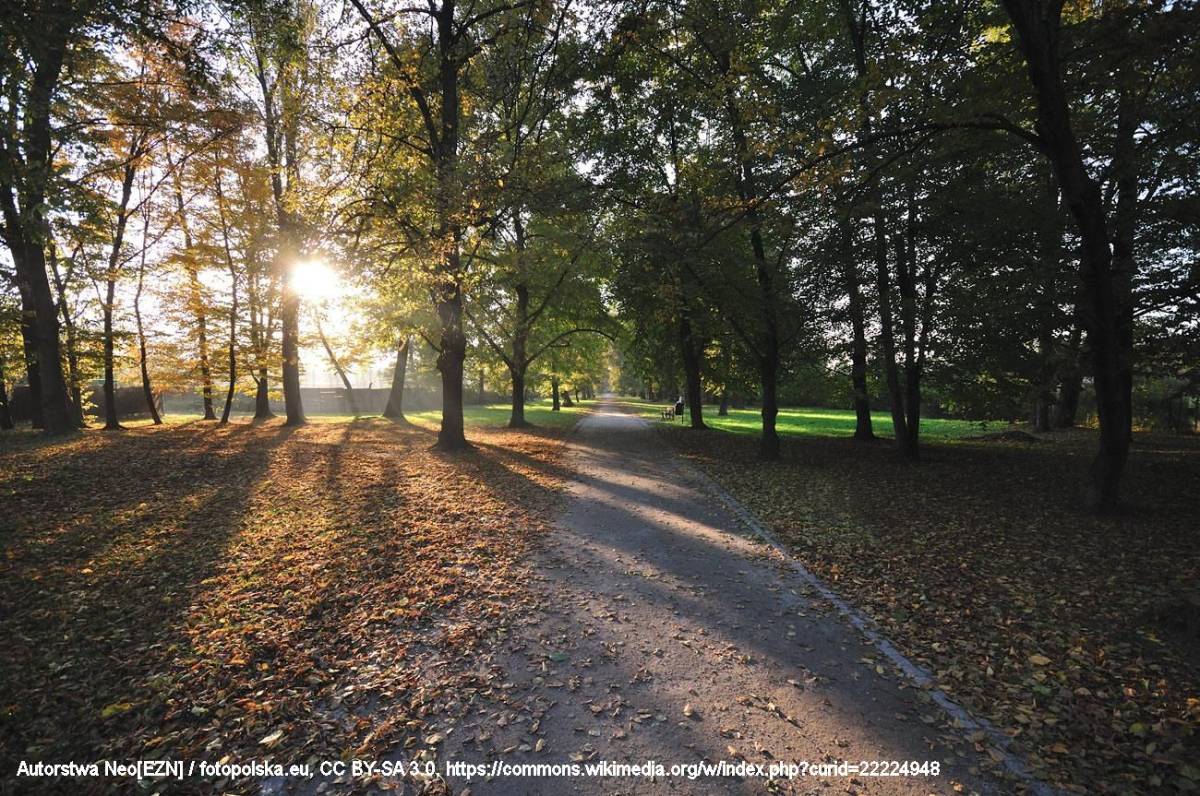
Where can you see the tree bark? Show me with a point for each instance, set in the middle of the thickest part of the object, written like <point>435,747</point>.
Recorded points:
<point>6,421</point>
<point>395,403</point>
<point>1105,273</point>
<point>54,403</point>
<point>111,421</point>
<point>33,374</point>
<point>262,396</point>
<point>73,377</point>
<point>289,319</point>
<point>1050,258</point>
<point>858,344</point>
<point>906,283</point>
<point>1070,384</point>
<point>26,230</point>
<point>233,298</point>
<point>143,366</point>
<point>451,435</point>
<point>555,406</point>
<point>206,381</point>
<point>887,334</point>
<point>863,429</point>
<point>691,369</point>
<point>516,418</point>
<point>260,340</point>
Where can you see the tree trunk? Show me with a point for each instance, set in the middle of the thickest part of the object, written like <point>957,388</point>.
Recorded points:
<point>262,397</point>
<point>482,395</point>
<point>289,319</point>
<point>33,374</point>
<point>691,369</point>
<point>887,335</point>
<point>518,363</point>
<point>863,429</point>
<point>518,360</point>
<point>147,388</point>
<point>555,406</point>
<point>73,378</point>
<point>451,434</point>
<point>111,422</point>
<point>195,293</point>
<point>858,345</point>
<point>1070,383</point>
<point>566,398</point>
<point>337,368</point>
<point>55,406</point>
<point>1050,261</point>
<point>260,340</point>
<point>906,283</point>
<point>517,418</point>
<point>769,344</point>
<point>281,160</point>
<point>206,382</point>
<point>233,310</point>
<point>6,421</point>
<point>26,230</point>
<point>1105,274</point>
<point>233,298</point>
<point>395,403</point>
<point>768,370</point>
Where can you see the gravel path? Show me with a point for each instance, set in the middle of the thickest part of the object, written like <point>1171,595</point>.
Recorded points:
<point>666,635</point>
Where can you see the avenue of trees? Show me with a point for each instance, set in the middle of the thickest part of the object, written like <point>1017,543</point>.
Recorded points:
<point>988,206</point>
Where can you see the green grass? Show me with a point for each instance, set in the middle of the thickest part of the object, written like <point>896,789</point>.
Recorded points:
<point>537,412</point>
<point>808,422</point>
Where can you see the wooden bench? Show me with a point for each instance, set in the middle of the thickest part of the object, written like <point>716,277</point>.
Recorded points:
<point>668,413</point>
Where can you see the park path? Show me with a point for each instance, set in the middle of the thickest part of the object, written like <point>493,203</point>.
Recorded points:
<point>665,634</point>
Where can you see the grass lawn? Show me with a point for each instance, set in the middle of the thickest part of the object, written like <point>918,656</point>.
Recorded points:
<point>1076,635</point>
<point>811,422</point>
<point>253,591</point>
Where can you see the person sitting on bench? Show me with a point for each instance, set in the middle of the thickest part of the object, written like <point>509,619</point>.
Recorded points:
<point>679,407</point>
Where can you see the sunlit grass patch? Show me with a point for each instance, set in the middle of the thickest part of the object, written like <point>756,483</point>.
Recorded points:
<point>814,422</point>
<point>538,412</point>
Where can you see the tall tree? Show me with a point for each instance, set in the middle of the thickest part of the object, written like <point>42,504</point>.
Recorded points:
<point>430,71</point>
<point>1106,256</point>
<point>39,40</point>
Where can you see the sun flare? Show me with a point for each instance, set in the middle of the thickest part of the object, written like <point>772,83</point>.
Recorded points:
<point>314,280</point>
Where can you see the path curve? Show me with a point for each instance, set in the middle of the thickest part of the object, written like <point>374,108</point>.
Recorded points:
<point>666,635</point>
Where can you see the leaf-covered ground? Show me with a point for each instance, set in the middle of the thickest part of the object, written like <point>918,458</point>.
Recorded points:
<point>254,592</point>
<point>1076,635</point>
